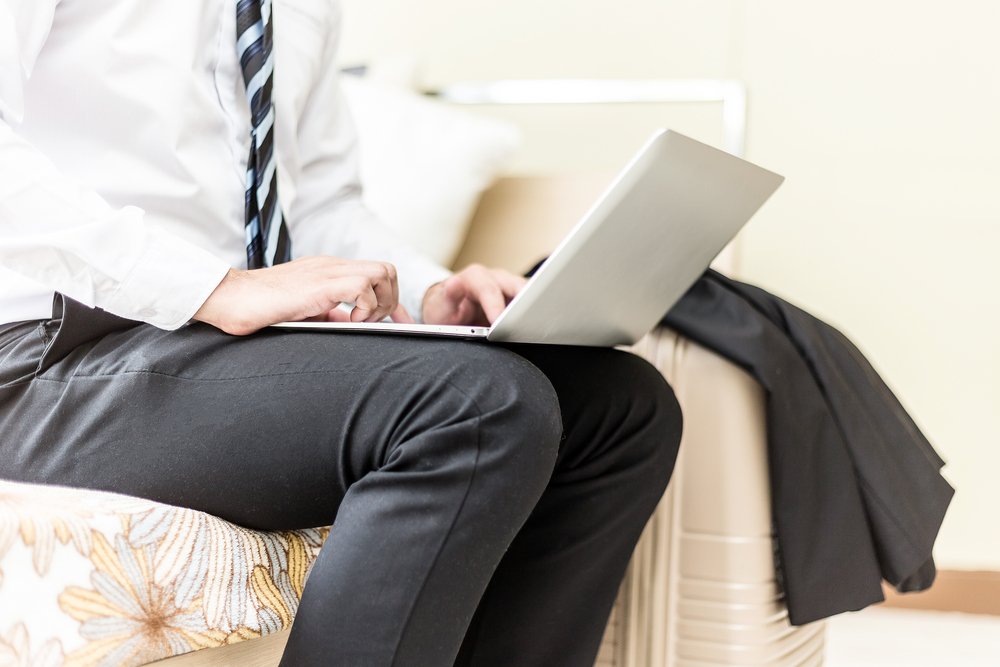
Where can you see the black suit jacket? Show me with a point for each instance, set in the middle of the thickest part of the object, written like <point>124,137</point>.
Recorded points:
<point>857,494</point>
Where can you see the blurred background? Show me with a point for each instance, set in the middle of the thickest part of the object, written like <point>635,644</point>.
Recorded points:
<point>884,117</point>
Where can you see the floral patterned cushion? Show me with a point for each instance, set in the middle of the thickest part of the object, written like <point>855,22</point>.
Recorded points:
<point>94,578</point>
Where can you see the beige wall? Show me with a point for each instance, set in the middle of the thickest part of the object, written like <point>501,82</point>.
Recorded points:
<point>885,118</point>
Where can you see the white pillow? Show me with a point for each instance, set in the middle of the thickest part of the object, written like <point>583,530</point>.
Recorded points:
<point>424,165</point>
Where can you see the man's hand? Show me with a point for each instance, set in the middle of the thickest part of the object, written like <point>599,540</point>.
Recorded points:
<point>476,295</point>
<point>310,288</point>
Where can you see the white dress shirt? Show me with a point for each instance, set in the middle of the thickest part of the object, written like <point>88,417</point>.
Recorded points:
<point>124,135</point>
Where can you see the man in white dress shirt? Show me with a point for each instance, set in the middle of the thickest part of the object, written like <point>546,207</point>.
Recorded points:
<point>486,499</point>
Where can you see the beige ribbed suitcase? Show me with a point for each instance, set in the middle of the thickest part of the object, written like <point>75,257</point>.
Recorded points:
<point>701,589</point>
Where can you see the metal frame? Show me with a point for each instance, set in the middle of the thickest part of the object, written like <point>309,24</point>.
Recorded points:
<point>729,92</point>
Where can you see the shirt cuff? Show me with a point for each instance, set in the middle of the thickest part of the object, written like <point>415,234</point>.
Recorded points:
<point>169,282</point>
<point>415,278</point>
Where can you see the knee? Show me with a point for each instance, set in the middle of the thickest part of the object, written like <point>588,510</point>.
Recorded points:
<point>521,424</point>
<point>519,421</point>
<point>653,417</point>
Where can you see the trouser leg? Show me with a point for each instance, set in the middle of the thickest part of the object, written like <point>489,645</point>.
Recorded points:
<point>429,455</point>
<point>418,538</point>
<point>549,600</point>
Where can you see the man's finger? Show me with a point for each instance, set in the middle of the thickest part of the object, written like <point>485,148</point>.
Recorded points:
<point>339,314</point>
<point>386,302</point>
<point>455,289</point>
<point>510,284</point>
<point>366,306</point>
<point>394,281</point>
<point>401,316</point>
<point>487,293</point>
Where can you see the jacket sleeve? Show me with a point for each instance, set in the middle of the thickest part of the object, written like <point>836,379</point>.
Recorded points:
<point>60,234</point>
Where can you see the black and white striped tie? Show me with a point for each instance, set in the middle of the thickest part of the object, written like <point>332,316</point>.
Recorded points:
<point>267,237</point>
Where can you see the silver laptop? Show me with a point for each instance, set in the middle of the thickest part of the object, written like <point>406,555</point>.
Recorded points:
<point>632,256</point>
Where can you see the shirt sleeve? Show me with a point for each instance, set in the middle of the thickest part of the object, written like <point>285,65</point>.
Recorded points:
<point>59,234</point>
<point>328,216</point>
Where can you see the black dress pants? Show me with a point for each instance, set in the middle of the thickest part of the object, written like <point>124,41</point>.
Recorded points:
<point>485,500</point>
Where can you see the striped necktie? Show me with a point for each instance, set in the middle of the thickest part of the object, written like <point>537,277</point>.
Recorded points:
<point>267,237</point>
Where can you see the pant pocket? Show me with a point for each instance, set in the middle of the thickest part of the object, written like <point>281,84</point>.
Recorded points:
<point>73,325</point>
